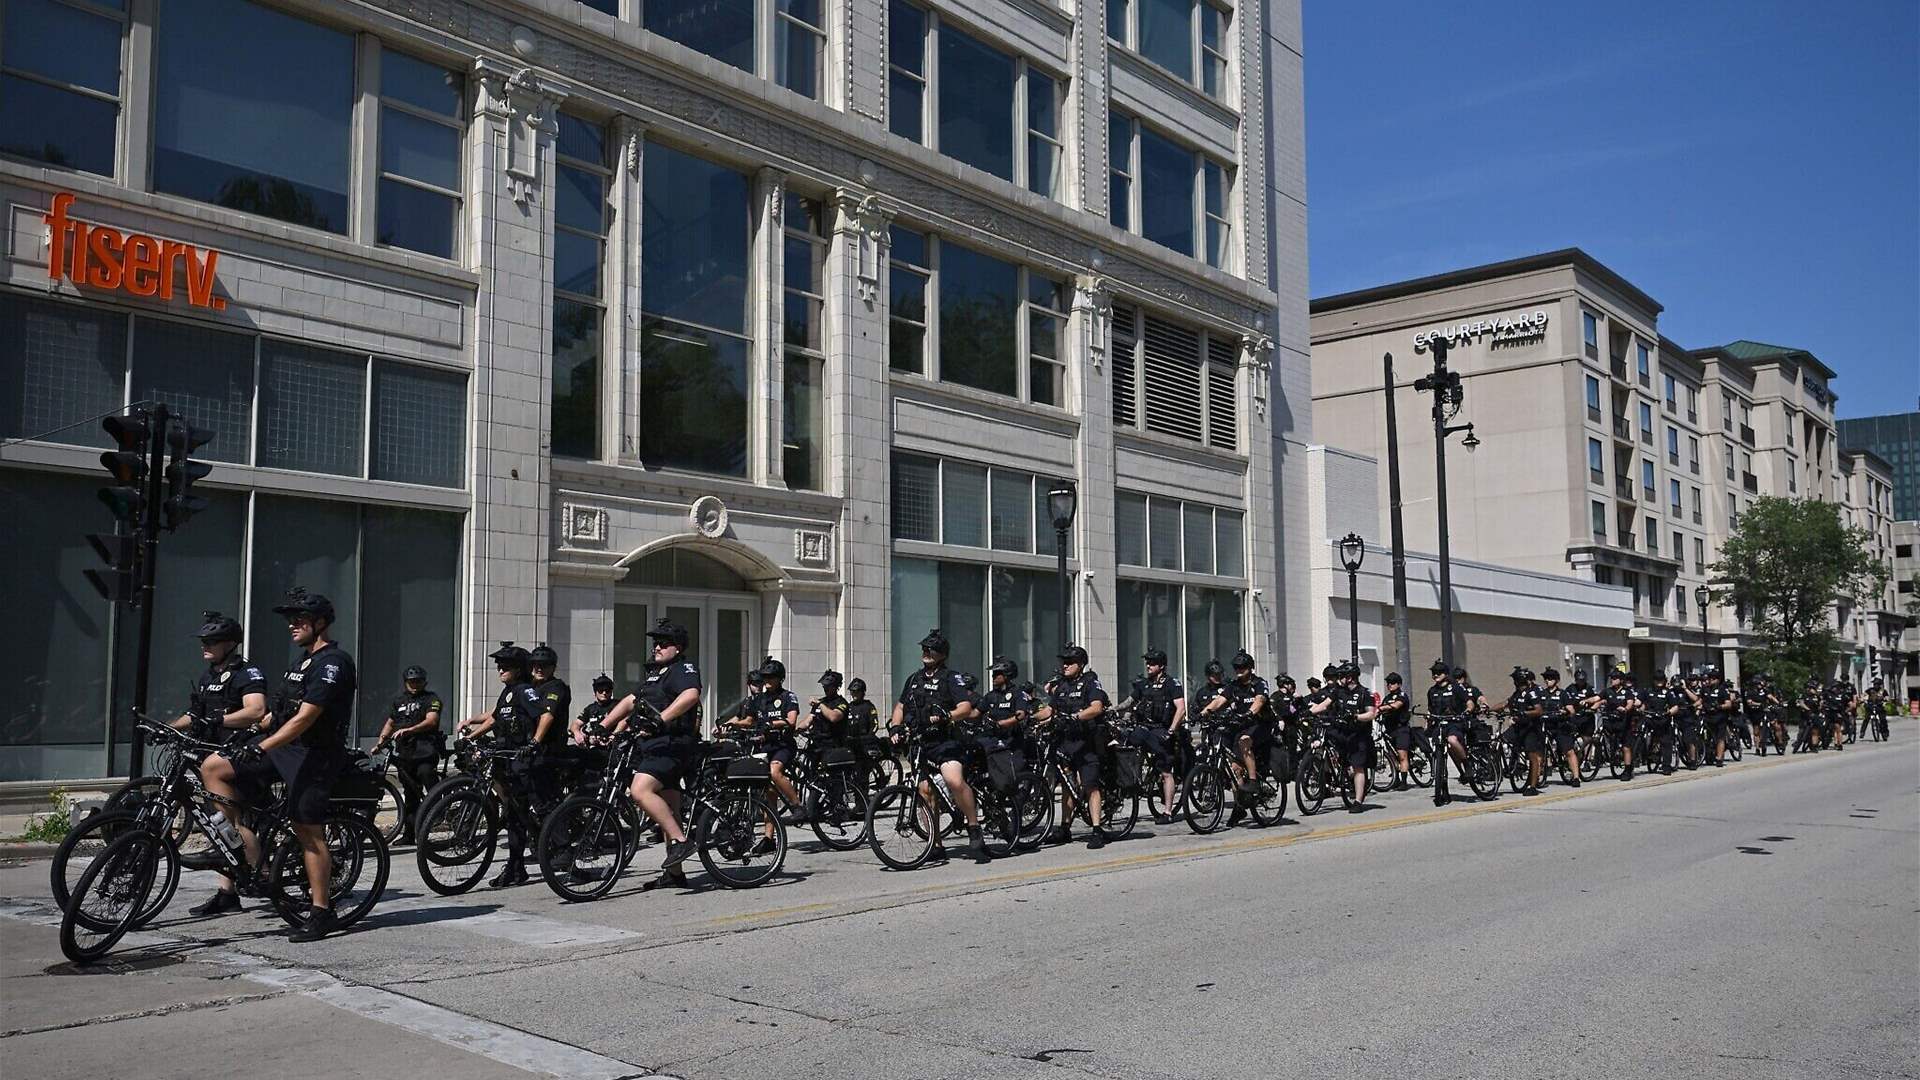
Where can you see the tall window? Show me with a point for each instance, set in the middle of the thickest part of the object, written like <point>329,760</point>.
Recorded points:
<point>1187,37</point>
<point>1693,454</point>
<point>257,117</point>
<point>62,101</point>
<point>803,411</point>
<point>1673,445</point>
<point>579,305</point>
<point>1679,549</point>
<point>1596,464</point>
<point>1646,423</point>
<point>1673,496</point>
<point>1641,365</point>
<point>420,125</point>
<point>693,302</point>
<point>1672,387</point>
<point>1599,520</point>
<point>1646,477</point>
<point>1173,196</point>
<point>1695,493</point>
<point>1590,333</point>
<point>1593,398</point>
<point>799,43</point>
<point>1188,620</point>
<point>1174,380</point>
<point>972,101</point>
<point>723,29</point>
<point>963,316</point>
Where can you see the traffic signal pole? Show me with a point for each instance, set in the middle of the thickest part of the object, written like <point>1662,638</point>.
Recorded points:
<point>149,554</point>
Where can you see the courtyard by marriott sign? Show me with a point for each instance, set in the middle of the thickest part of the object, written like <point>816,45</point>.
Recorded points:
<point>1505,330</point>
<point>103,257</point>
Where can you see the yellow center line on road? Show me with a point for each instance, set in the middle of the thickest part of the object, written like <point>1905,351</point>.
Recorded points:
<point>1251,843</point>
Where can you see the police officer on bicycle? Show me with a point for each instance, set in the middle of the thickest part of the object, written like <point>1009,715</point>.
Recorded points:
<point>1396,716</point>
<point>1562,722</point>
<point>1529,708</point>
<point>517,714</point>
<point>413,727</point>
<point>1076,706</point>
<point>773,714</point>
<point>936,697</point>
<point>228,704</point>
<point>591,728</point>
<point>1160,707</point>
<point>670,738</point>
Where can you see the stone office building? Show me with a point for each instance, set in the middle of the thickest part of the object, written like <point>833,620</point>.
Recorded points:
<point>541,320</point>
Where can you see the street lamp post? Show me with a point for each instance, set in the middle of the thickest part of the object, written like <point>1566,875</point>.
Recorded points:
<point>1447,397</point>
<point>1353,550</point>
<point>1701,594</point>
<point>1062,500</point>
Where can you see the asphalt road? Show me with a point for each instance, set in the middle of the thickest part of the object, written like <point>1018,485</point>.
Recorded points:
<point>1754,922</point>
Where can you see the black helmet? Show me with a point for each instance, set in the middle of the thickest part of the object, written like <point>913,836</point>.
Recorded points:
<point>1284,680</point>
<point>1617,673</point>
<point>857,686</point>
<point>1550,674</point>
<point>1709,672</point>
<point>1393,678</point>
<point>969,680</point>
<point>217,627</point>
<point>936,643</point>
<point>755,676</point>
<point>1073,654</point>
<point>1331,671</point>
<point>670,632</point>
<point>773,669</point>
<point>1459,673</point>
<point>509,657</point>
<point>1349,670</point>
<point>1156,656</point>
<point>542,655</point>
<point>301,602</point>
<point>413,673</point>
<point>1242,660</point>
<point>830,679</point>
<point>1004,667</point>
<point>1522,674</point>
<point>1438,667</point>
<point>1213,668</point>
<point>603,681</point>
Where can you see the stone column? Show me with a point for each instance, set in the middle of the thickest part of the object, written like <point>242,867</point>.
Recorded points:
<point>620,375</point>
<point>1090,396</point>
<point>1265,634</point>
<point>766,391</point>
<point>860,433</point>
<point>510,242</point>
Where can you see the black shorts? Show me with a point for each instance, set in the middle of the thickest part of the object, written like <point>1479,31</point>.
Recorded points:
<point>1564,735</point>
<point>1355,744</point>
<point>1154,740</point>
<point>1618,726</point>
<point>665,759</point>
<point>1082,758</point>
<point>782,753</point>
<point>1401,736</point>
<point>1531,738</point>
<point>961,750</point>
<point>1448,727</point>
<point>309,773</point>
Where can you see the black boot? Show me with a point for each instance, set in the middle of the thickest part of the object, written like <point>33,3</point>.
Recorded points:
<point>218,904</point>
<point>318,925</point>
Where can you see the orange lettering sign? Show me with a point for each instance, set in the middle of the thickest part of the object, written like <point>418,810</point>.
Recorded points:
<point>103,257</point>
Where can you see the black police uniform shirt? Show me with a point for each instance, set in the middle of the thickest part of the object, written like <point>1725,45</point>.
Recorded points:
<point>408,709</point>
<point>770,706</point>
<point>1444,698</point>
<point>863,717</point>
<point>595,714</point>
<point>663,685</point>
<point>824,730</point>
<point>1204,695</point>
<point>1001,704</point>
<point>1525,700</point>
<point>1071,697</point>
<point>326,678</point>
<point>1616,700</point>
<point>515,712</point>
<point>1240,696</point>
<point>1393,716</point>
<point>221,689</point>
<point>1352,702</point>
<point>1554,701</point>
<point>556,697</point>
<point>929,689</point>
<point>1155,697</point>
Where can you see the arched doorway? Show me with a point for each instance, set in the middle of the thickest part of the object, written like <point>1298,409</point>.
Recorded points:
<point>709,590</point>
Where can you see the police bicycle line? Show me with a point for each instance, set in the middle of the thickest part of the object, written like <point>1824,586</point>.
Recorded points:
<point>1010,767</point>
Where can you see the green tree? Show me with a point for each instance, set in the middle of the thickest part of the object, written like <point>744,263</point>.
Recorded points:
<point>1787,565</point>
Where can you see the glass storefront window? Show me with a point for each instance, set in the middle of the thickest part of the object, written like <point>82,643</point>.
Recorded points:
<point>311,406</point>
<point>257,117</point>
<point>963,504</point>
<point>411,561</point>
<point>305,542</point>
<point>950,595</point>
<point>1026,619</point>
<point>203,374</point>
<point>1013,504</point>
<point>1150,617</point>
<point>419,425</point>
<point>65,365</point>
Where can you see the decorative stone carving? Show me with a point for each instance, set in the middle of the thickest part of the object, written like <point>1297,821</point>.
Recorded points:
<point>1093,299</point>
<point>812,547</point>
<point>528,105</point>
<point>708,516</point>
<point>583,526</point>
<point>865,216</point>
<point>1254,350</point>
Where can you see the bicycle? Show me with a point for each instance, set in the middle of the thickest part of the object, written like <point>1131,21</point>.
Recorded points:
<point>458,830</point>
<point>1385,758</point>
<point>1877,725</point>
<point>388,801</point>
<point>1324,768</point>
<point>907,821</point>
<point>591,837</point>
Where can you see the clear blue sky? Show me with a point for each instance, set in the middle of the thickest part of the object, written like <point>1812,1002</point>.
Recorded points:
<point>1753,166</point>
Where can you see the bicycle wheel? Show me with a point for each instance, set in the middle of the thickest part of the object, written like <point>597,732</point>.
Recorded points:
<point>733,837</point>
<point>1036,812</point>
<point>837,810</point>
<point>109,896</point>
<point>1269,805</point>
<point>458,832</point>
<point>1310,786</point>
<point>1483,771</point>
<point>1205,798</point>
<point>1381,772</point>
<point>1420,764</point>
<point>1734,749</point>
<point>356,878</point>
<point>1000,818</point>
<point>1589,749</point>
<point>390,812</point>
<point>583,846</point>
<point>900,827</point>
<point>1118,814</point>
<point>85,844</point>
<point>131,796</point>
<point>1690,752</point>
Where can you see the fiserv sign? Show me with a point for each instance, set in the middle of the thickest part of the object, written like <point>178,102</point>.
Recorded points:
<point>103,257</point>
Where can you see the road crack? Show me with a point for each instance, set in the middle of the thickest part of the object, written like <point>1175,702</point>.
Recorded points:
<point>142,1014</point>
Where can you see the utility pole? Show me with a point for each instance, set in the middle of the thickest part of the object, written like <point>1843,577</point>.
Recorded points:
<point>1402,642</point>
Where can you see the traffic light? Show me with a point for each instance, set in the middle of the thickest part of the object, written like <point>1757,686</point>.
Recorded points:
<point>181,503</point>
<point>116,583</point>
<point>132,435</point>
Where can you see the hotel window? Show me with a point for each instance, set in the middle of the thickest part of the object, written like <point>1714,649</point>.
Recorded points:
<point>1729,453</point>
<point>973,102</point>
<point>1673,445</point>
<point>803,410</point>
<point>1679,595</point>
<point>1693,454</point>
<point>1646,423</point>
<point>1603,575</point>
<point>996,326</point>
<point>1187,37</point>
<point>1673,497</point>
<point>1699,556</point>
<point>579,306</point>
<point>1590,334</point>
<point>1693,405</point>
<point>1726,412</point>
<point>1696,505</point>
<point>1679,549</point>
<point>1593,399</point>
<point>1646,479</point>
<point>1672,389</point>
<point>62,103</point>
<point>1733,512</point>
<point>1641,365</point>
<point>421,123</point>
<point>695,225</point>
<point>1596,464</point>
<point>231,128</point>
<point>1185,378</point>
<point>1599,520</point>
<point>1182,199</point>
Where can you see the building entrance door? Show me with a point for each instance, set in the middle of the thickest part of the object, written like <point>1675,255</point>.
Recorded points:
<point>723,633</point>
